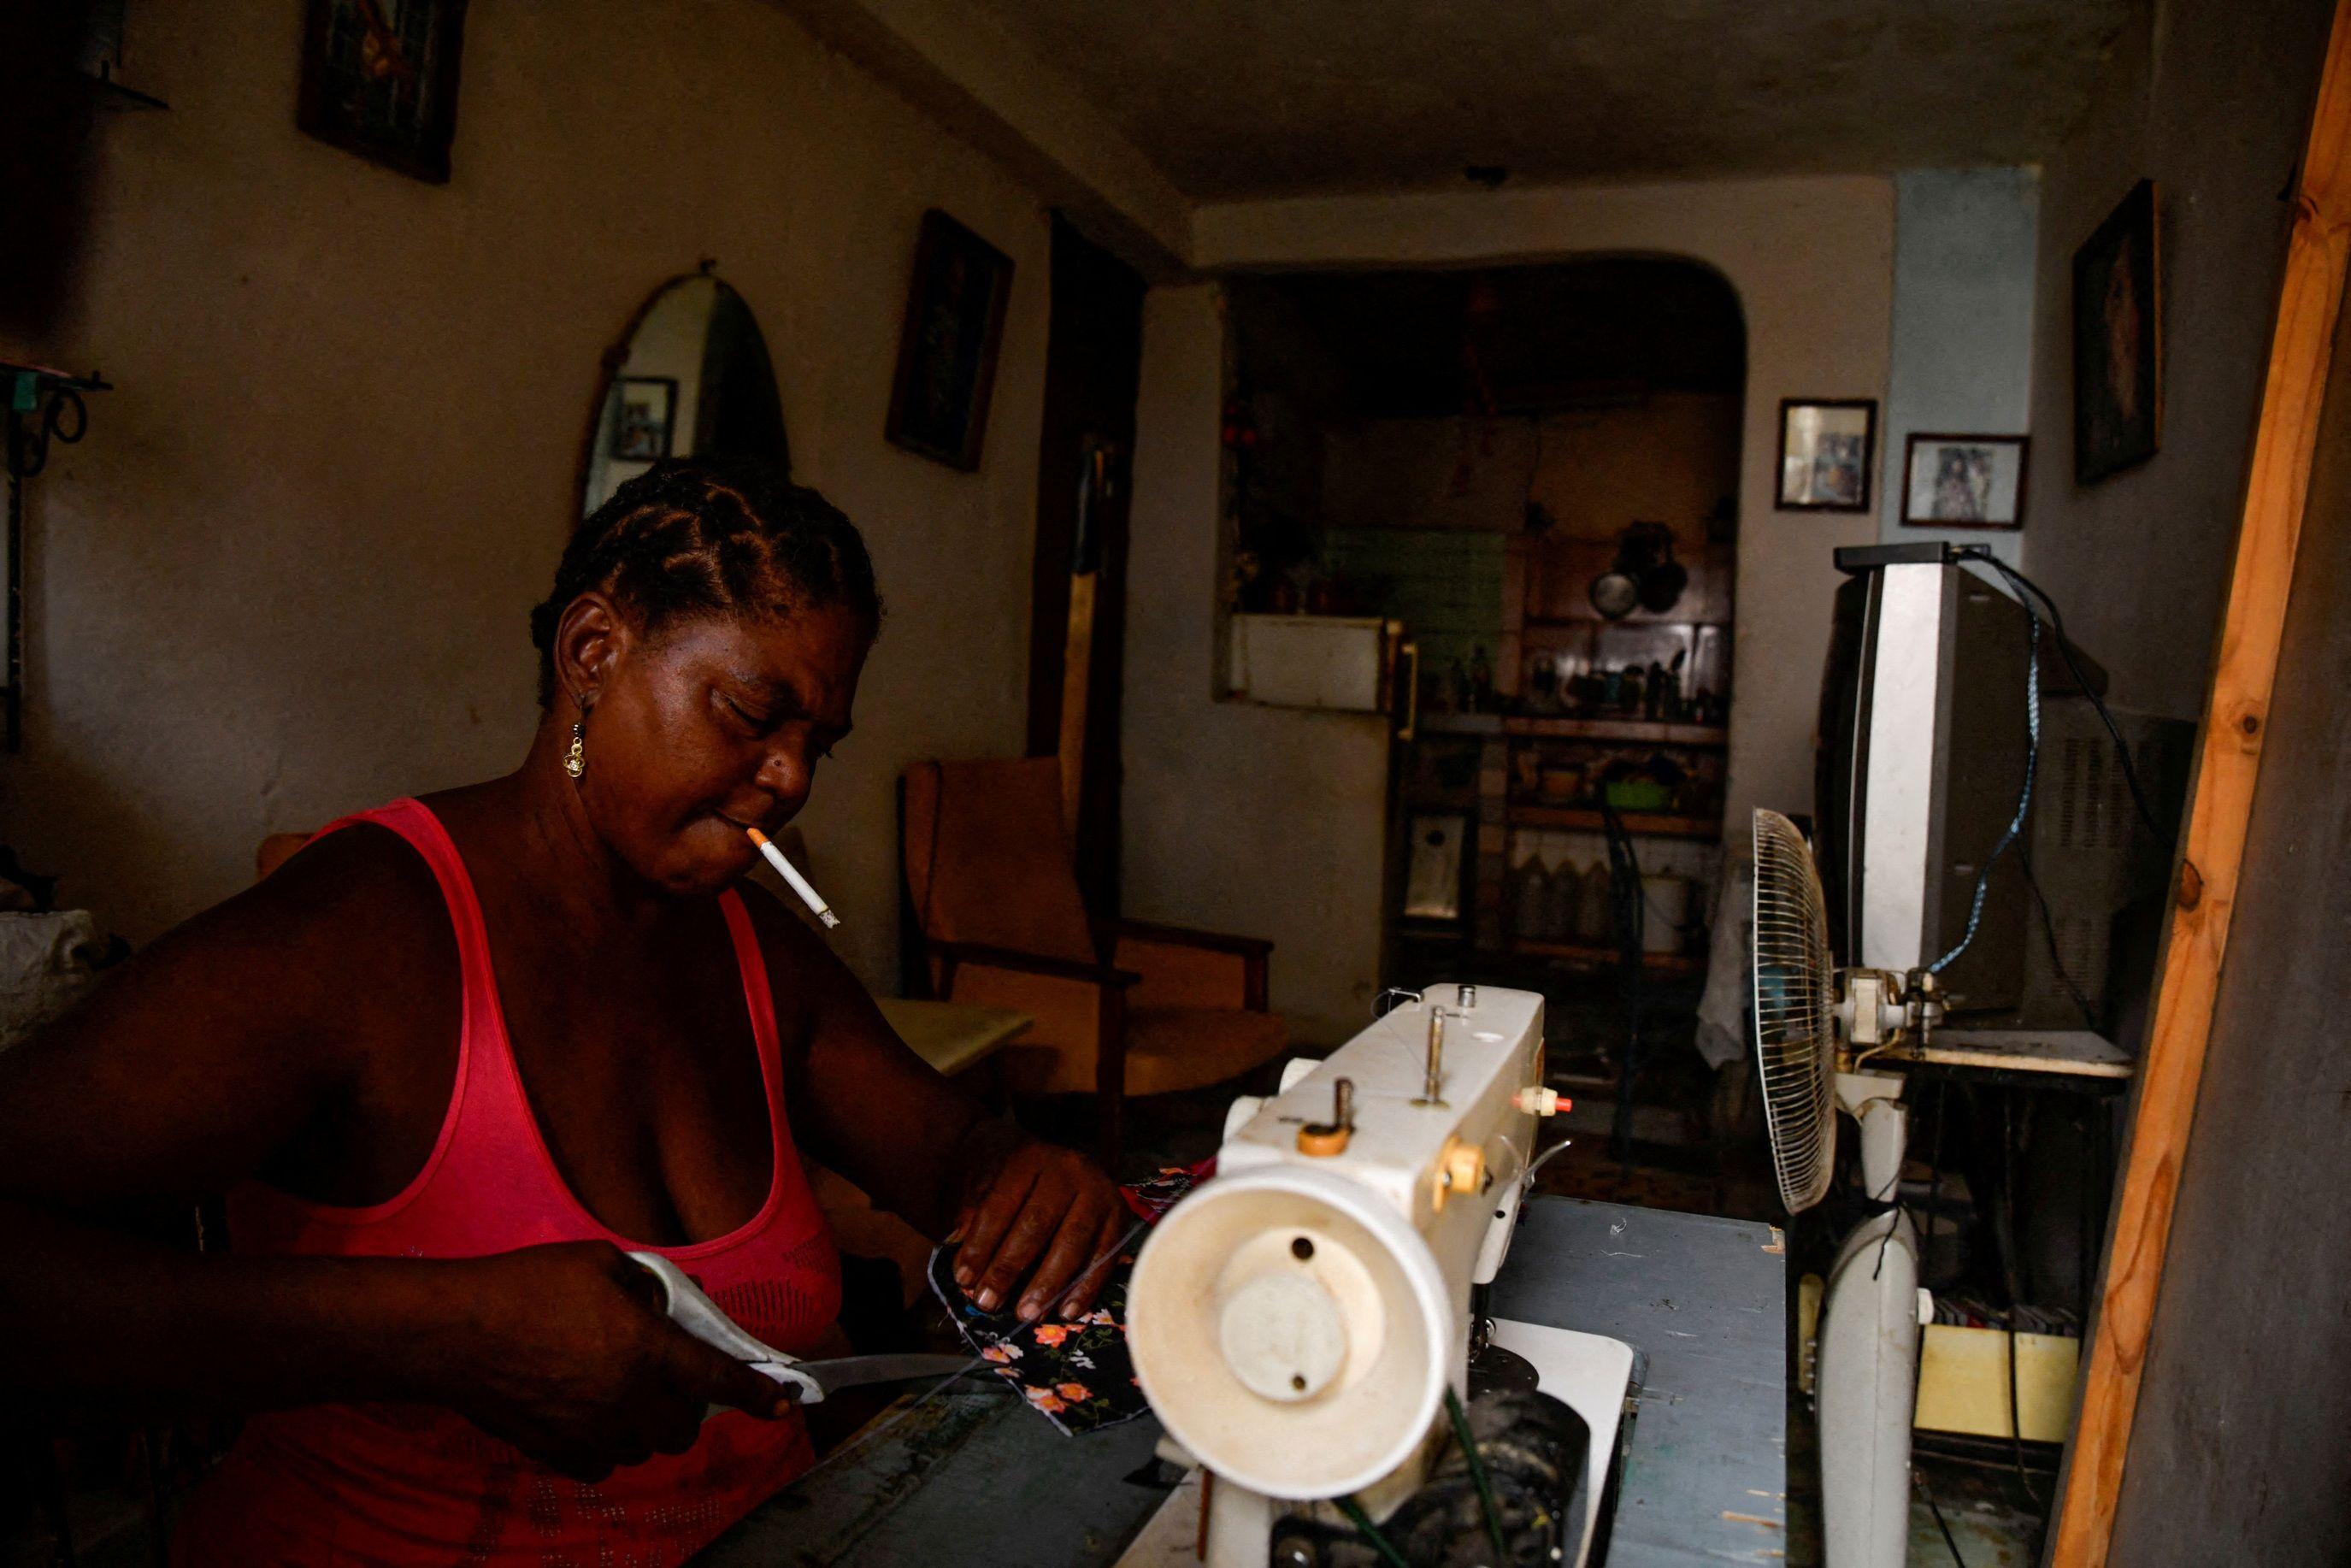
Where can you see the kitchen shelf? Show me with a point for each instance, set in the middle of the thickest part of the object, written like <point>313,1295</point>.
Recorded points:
<point>1578,819</point>
<point>1457,723</point>
<point>1562,628</point>
<point>1592,953</point>
<point>1654,731</point>
<point>1462,801</point>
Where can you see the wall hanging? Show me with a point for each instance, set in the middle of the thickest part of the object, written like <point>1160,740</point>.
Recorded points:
<point>1825,450</point>
<point>1964,482</point>
<point>379,79</point>
<point>947,351</point>
<point>2118,340</point>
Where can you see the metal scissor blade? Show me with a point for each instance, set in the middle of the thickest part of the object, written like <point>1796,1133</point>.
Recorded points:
<point>811,1381</point>
<point>856,1371</point>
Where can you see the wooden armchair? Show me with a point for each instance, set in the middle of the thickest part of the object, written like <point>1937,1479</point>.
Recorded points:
<point>993,915</point>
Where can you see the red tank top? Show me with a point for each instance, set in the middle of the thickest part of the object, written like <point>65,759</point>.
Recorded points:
<point>348,1484</point>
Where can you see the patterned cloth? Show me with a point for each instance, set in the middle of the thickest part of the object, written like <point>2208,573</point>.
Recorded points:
<point>1075,1372</point>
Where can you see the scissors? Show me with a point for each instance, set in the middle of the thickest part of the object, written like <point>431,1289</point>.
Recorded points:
<point>809,1381</point>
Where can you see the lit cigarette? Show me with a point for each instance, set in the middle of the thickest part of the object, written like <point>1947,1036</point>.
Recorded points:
<point>799,883</point>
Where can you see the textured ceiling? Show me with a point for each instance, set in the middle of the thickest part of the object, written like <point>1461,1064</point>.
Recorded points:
<point>1287,97</point>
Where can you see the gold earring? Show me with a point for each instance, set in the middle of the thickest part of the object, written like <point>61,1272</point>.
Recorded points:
<point>574,762</point>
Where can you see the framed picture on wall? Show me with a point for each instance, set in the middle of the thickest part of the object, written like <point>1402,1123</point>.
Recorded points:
<point>1826,447</point>
<point>645,417</point>
<point>379,79</point>
<point>946,350</point>
<point>1964,482</point>
<point>2118,340</point>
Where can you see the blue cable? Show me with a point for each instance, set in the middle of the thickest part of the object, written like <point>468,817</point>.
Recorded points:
<point>2025,799</point>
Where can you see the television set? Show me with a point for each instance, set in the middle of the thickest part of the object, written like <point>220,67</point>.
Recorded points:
<point>1922,747</point>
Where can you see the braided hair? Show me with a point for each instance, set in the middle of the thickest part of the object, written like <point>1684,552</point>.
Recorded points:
<point>730,536</point>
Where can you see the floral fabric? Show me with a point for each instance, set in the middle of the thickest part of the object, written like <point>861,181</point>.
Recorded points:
<point>1075,1371</point>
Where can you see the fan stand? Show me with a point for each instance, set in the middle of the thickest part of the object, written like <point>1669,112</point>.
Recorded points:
<point>1814,1035</point>
<point>1867,1338</point>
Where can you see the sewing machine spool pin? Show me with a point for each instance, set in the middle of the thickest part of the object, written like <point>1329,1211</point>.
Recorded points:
<point>1325,1139</point>
<point>1432,1074</point>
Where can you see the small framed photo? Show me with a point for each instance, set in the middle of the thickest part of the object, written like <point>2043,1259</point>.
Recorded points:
<point>1432,881</point>
<point>380,79</point>
<point>644,408</point>
<point>946,350</point>
<point>1964,482</point>
<point>2118,341</point>
<point>1826,448</point>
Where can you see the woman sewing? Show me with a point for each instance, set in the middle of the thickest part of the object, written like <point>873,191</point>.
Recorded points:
<point>458,1055</point>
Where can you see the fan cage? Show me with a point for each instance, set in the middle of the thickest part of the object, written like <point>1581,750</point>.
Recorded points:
<point>1794,999</point>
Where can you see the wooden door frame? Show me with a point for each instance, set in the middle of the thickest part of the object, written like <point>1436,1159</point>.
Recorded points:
<point>2236,722</point>
<point>1093,376</point>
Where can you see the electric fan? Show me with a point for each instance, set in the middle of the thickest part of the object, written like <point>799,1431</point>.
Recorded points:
<point>1815,1028</point>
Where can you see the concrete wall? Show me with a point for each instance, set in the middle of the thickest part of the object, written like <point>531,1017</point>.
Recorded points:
<point>1811,260</point>
<point>287,575</point>
<point>2213,101</point>
<point>1964,272</point>
<point>1266,821</point>
<point>2241,1448</point>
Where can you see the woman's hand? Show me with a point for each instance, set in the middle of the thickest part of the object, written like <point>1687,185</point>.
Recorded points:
<point>1032,1204</point>
<point>564,1352</point>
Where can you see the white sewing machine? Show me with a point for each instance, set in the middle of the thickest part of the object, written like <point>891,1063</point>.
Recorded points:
<point>1303,1324</point>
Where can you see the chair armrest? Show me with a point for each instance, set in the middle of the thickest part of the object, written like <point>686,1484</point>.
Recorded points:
<point>1182,967</point>
<point>980,955</point>
<point>1184,937</point>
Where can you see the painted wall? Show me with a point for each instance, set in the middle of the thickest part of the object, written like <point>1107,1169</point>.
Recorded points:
<point>1261,820</point>
<point>288,573</point>
<point>1964,272</point>
<point>1811,260</point>
<point>2239,1449</point>
<point>2213,101</point>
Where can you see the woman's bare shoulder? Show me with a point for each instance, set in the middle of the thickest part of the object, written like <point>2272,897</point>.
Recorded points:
<point>808,978</point>
<point>356,900</point>
<point>791,946</point>
<point>209,1049</point>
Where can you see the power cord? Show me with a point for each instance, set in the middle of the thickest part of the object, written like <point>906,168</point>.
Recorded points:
<point>1476,1463</point>
<point>2025,586</point>
<point>1371,1533</point>
<point>2049,931</point>
<point>2027,592</point>
<point>1937,1509</point>
<point>2024,796</point>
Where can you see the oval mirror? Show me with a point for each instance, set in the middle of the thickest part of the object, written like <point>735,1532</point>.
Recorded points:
<point>691,380</point>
